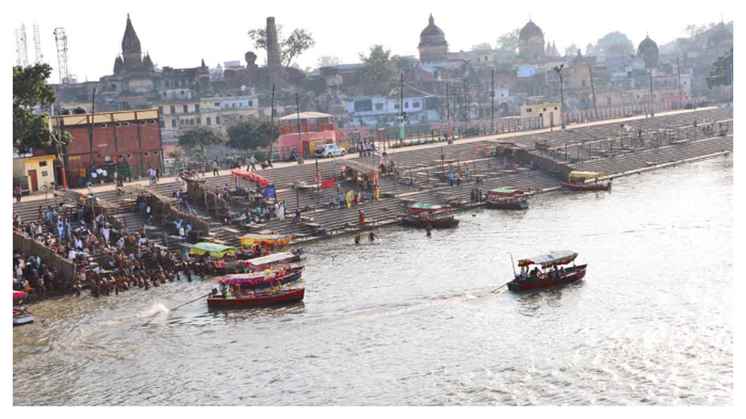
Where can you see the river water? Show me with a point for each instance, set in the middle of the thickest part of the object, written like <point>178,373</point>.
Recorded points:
<point>409,320</point>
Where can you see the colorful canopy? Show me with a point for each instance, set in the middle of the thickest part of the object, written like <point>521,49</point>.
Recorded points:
<point>213,249</point>
<point>251,177</point>
<point>17,295</point>
<point>248,240</point>
<point>506,190</point>
<point>580,175</point>
<point>555,257</point>
<point>273,258</point>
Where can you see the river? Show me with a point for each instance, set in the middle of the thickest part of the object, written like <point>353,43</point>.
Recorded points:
<point>408,320</point>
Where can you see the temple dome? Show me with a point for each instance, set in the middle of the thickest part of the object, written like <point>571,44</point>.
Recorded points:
<point>130,41</point>
<point>648,51</point>
<point>530,30</point>
<point>432,35</point>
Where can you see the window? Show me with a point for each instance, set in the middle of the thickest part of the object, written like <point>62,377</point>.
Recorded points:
<point>42,164</point>
<point>396,106</point>
<point>416,105</point>
<point>44,173</point>
<point>160,109</point>
<point>208,121</point>
<point>379,106</point>
<point>173,109</point>
<point>186,109</point>
<point>217,120</point>
<point>406,105</point>
<point>199,121</point>
<point>173,123</point>
<point>217,104</point>
<point>528,110</point>
<point>555,108</point>
<point>251,103</point>
<point>196,107</point>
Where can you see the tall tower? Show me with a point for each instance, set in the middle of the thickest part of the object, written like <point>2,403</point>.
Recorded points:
<point>131,51</point>
<point>60,39</point>
<point>38,56</point>
<point>274,59</point>
<point>21,47</point>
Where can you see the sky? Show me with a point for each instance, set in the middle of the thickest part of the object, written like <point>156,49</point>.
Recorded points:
<point>181,33</point>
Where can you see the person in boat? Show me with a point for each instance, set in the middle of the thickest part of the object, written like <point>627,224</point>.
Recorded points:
<point>371,236</point>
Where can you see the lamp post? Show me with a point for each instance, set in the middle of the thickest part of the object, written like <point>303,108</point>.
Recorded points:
<point>492,105</point>
<point>559,69</point>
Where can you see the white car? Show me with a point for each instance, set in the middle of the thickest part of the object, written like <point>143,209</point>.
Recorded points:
<point>330,150</point>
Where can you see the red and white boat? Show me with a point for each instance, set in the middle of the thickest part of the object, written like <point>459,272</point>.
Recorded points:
<point>21,315</point>
<point>257,299</point>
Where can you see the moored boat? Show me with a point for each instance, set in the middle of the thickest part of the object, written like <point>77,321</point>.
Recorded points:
<point>21,315</point>
<point>586,181</point>
<point>549,271</point>
<point>422,215</point>
<point>507,198</point>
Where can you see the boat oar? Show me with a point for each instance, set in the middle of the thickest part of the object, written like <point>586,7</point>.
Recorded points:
<point>190,301</point>
<point>500,287</point>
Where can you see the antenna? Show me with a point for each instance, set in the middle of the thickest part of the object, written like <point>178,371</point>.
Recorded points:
<point>38,55</point>
<point>21,46</point>
<point>60,39</point>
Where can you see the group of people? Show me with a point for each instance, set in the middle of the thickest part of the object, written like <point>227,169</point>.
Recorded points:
<point>37,279</point>
<point>367,148</point>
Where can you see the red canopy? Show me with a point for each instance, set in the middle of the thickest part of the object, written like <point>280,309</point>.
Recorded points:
<point>251,176</point>
<point>17,295</point>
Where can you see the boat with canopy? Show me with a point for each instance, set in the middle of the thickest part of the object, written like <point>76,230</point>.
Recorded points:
<point>422,215</point>
<point>507,198</point>
<point>212,249</point>
<point>586,181</point>
<point>548,270</point>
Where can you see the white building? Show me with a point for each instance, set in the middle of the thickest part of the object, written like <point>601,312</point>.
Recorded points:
<point>384,111</point>
<point>178,116</point>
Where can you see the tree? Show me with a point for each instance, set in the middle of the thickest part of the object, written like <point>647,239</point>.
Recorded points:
<point>509,41</point>
<point>380,69</point>
<point>291,47</point>
<point>721,73</point>
<point>198,139</point>
<point>614,44</point>
<point>572,50</point>
<point>30,90</point>
<point>482,46</point>
<point>251,134</point>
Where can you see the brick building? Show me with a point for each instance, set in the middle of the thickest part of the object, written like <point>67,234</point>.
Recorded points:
<point>127,142</point>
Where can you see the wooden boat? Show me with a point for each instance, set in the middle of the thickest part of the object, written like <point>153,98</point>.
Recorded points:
<point>554,273</point>
<point>507,198</point>
<point>255,280</point>
<point>586,181</point>
<point>264,299</point>
<point>422,215</point>
<point>21,315</point>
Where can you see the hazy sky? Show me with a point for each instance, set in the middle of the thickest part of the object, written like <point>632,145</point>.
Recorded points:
<point>180,33</point>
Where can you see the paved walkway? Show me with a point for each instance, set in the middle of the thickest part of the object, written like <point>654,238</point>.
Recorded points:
<point>497,137</point>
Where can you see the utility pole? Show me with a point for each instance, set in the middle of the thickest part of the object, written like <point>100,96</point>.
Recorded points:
<point>593,91</point>
<point>90,127</point>
<point>559,69</point>
<point>678,74</point>
<point>297,119</point>
<point>652,114</point>
<point>272,122</point>
<point>492,105</point>
<point>448,112</point>
<point>401,107</point>
<point>55,133</point>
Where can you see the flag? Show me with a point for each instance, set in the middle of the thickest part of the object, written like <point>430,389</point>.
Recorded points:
<point>328,183</point>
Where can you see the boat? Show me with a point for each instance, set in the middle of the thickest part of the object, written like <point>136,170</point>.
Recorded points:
<point>228,266</point>
<point>258,280</point>
<point>215,250</point>
<point>507,198</point>
<point>21,315</point>
<point>585,181</point>
<point>554,271</point>
<point>422,215</point>
<point>257,299</point>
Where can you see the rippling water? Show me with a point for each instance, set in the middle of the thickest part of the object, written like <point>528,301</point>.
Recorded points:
<point>410,320</point>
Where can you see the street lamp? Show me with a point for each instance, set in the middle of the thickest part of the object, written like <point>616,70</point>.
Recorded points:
<point>559,69</point>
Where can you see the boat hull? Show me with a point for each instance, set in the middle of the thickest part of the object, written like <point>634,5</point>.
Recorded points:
<point>262,300</point>
<point>412,221</point>
<point>521,204</point>
<point>548,281</point>
<point>595,186</point>
<point>22,319</point>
